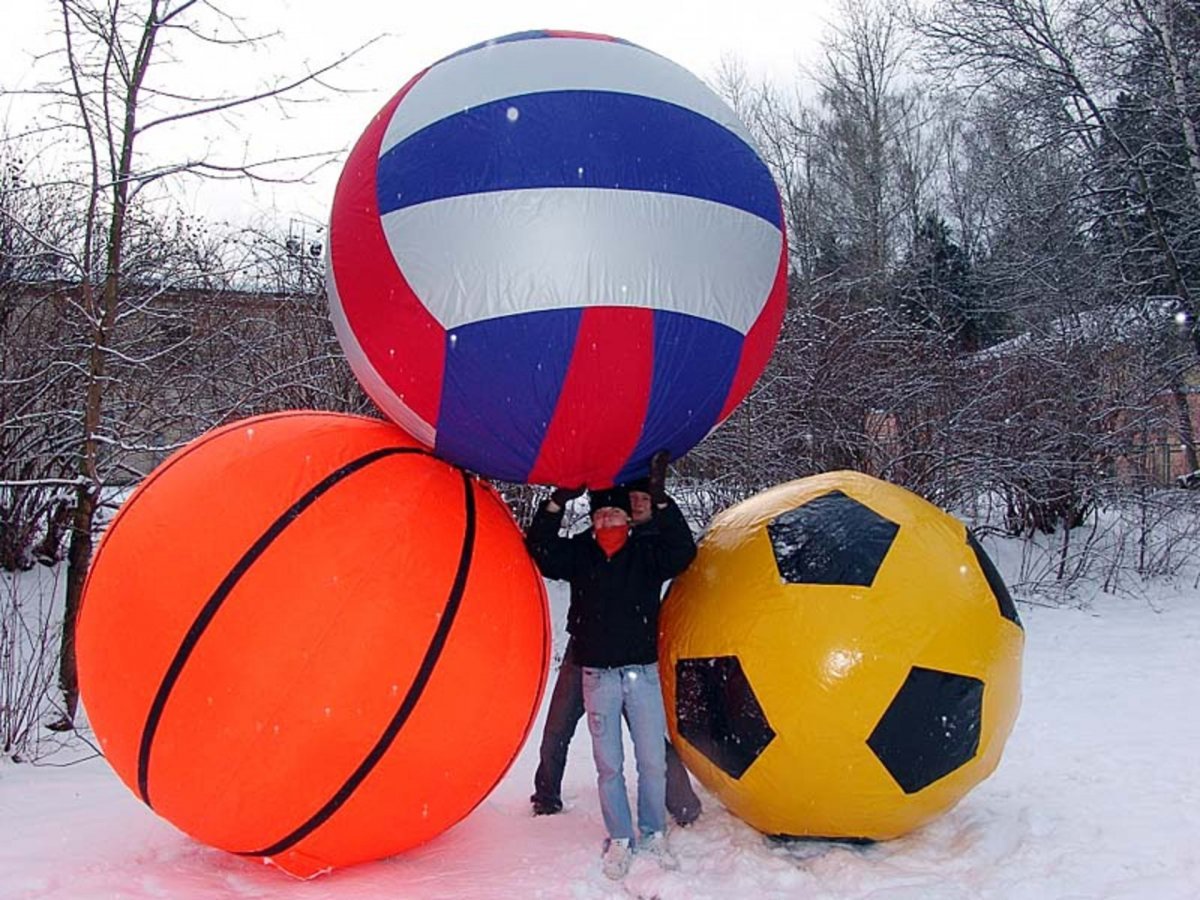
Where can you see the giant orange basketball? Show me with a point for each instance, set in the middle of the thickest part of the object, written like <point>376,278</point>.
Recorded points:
<point>305,639</point>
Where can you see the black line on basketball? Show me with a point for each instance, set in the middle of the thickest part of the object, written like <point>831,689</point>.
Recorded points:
<point>428,664</point>
<point>210,608</point>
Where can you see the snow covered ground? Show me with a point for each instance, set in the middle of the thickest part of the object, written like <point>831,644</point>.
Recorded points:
<point>1097,796</point>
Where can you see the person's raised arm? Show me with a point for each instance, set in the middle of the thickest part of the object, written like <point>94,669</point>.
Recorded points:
<point>553,553</point>
<point>672,543</point>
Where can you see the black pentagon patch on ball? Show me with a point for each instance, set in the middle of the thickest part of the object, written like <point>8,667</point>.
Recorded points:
<point>930,728</point>
<point>1008,609</point>
<point>831,539</point>
<point>718,714</point>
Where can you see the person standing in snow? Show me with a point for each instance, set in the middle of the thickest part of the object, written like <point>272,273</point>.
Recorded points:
<point>566,708</point>
<point>616,588</point>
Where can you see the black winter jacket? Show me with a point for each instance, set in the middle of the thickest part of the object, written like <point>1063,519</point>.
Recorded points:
<point>614,602</point>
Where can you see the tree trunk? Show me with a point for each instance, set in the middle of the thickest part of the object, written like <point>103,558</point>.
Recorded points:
<point>79,556</point>
<point>1187,434</point>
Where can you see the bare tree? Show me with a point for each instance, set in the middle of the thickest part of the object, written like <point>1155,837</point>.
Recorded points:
<point>36,375</point>
<point>1106,85</point>
<point>115,93</point>
<point>927,229</point>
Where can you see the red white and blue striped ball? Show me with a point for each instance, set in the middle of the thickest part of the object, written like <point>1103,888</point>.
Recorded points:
<point>553,254</point>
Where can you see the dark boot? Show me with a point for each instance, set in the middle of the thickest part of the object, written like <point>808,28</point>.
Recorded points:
<point>682,802</point>
<point>543,806</point>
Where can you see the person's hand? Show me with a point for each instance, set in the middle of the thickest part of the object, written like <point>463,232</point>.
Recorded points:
<point>657,483</point>
<point>561,496</point>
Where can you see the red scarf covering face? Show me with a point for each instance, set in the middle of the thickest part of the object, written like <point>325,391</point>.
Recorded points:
<point>611,538</point>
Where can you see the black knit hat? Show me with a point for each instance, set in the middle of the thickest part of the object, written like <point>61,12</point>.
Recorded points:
<point>617,497</point>
<point>639,484</point>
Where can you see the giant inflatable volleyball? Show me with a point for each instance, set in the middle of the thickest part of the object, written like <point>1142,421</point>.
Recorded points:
<point>290,638</point>
<point>552,255</point>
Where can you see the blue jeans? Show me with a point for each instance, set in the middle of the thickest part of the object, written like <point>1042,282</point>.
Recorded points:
<point>564,712</point>
<point>635,691</point>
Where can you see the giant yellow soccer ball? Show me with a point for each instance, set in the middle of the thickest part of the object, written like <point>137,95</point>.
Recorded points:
<point>842,660</point>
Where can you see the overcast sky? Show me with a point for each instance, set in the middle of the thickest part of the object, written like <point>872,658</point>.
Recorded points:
<point>772,39</point>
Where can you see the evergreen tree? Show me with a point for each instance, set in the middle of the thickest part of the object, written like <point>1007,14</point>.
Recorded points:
<point>937,289</point>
